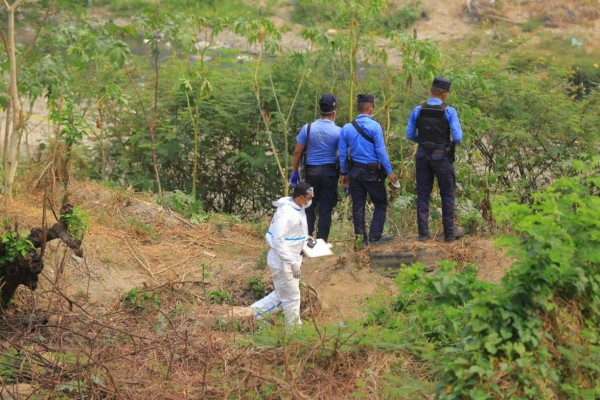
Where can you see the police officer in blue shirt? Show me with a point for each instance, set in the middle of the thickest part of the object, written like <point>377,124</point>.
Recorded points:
<point>364,164</point>
<point>321,144</point>
<point>435,126</point>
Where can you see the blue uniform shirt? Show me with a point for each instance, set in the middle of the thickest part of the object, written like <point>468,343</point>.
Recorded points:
<point>451,116</point>
<point>361,150</point>
<point>323,140</point>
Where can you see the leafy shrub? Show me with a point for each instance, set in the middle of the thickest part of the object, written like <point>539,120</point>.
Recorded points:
<point>140,300</point>
<point>185,205</point>
<point>537,336</point>
<point>220,297</point>
<point>311,12</point>
<point>78,222</point>
<point>137,227</point>
<point>430,308</point>
<point>470,217</point>
<point>11,363</point>
<point>257,286</point>
<point>401,17</point>
<point>14,244</point>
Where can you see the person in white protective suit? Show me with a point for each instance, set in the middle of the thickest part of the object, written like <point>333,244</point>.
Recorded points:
<point>286,237</point>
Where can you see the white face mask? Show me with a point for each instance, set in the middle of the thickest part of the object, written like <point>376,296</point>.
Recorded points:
<point>307,204</point>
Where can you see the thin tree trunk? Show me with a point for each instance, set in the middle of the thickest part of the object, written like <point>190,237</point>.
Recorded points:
<point>6,131</point>
<point>154,117</point>
<point>12,156</point>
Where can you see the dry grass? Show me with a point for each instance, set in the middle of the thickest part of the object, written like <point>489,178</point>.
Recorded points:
<point>133,320</point>
<point>559,13</point>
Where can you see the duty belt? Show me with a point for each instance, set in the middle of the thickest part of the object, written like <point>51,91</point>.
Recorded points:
<point>371,166</point>
<point>359,165</point>
<point>322,166</point>
<point>434,146</point>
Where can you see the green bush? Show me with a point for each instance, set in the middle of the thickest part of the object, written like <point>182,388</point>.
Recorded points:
<point>401,17</point>
<point>537,336</point>
<point>217,7</point>
<point>78,222</point>
<point>185,205</point>
<point>14,244</point>
<point>257,286</point>
<point>429,310</point>
<point>220,297</point>
<point>141,300</point>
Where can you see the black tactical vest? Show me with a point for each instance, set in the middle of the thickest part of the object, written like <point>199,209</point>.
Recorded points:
<point>432,125</point>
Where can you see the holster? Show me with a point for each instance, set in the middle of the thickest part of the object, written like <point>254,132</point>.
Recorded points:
<point>452,152</point>
<point>349,162</point>
<point>374,166</point>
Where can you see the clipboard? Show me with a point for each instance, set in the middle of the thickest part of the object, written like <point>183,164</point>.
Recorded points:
<point>320,249</point>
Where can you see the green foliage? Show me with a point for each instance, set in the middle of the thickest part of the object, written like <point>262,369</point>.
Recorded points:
<point>77,221</point>
<point>508,346</point>
<point>401,17</point>
<point>391,17</point>
<point>185,205</point>
<point>141,301</point>
<point>10,364</point>
<point>72,387</point>
<point>429,311</point>
<point>469,216</point>
<point>206,276</point>
<point>212,7</point>
<point>73,126</point>
<point>532,24</point>
<point>137,226</point>
<point>257,286</point>
<point>14,244</point>
<point>220,297</point>
<point>518,127</point>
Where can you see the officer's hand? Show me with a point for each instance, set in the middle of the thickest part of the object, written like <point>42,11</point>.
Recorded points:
<point>296,271</point>
<point>294,178</point>
<point>392,177</point>
<point>345,181</point>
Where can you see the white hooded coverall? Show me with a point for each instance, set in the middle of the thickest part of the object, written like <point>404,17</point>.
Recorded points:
<point>286,237</point>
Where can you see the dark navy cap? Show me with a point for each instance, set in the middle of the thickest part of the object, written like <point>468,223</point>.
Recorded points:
<point>441,83</point>
<point>365,98</point>
<point>327,103</point>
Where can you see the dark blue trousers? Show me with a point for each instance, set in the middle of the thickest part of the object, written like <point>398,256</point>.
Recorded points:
<point>362,182</point>
<point>435,164</point>
<point>324,181</point>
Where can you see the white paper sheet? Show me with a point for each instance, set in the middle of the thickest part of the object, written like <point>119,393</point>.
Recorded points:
<point>320,249</point>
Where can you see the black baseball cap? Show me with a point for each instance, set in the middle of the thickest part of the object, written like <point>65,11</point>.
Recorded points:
<point>327,103</point>
<point>441,83</point>
<point>365,98</point>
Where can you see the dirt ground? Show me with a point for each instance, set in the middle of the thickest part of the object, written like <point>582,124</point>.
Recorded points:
<point>134,243</point>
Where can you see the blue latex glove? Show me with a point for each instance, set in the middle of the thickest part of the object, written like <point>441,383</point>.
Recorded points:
<point>295,178</point>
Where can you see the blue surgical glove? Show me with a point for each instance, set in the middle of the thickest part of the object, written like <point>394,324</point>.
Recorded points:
<point>295,178</point>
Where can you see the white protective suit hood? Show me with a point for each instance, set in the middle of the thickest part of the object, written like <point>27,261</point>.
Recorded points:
<point>288,231</point>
